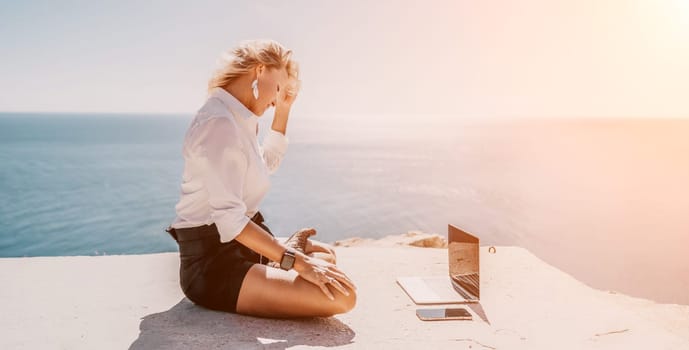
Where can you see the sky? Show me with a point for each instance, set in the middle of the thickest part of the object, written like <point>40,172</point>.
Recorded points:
<point>488,58</point>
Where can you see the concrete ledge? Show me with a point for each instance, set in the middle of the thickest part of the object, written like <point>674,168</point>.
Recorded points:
<point>134,301</point>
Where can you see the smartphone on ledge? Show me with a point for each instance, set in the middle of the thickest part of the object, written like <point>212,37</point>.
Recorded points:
<point>450,313</point>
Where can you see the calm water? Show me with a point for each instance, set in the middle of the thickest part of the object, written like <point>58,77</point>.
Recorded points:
<point>604,200</point>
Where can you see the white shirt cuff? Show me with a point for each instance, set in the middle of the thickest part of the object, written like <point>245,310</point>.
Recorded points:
<point>276,142</point>
<point>230,226</point>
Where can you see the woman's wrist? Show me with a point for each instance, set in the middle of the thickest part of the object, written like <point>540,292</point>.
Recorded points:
<point>280,119</point>
<point>300,261</point>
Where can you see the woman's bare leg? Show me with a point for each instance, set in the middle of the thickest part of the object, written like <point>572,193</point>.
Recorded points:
<point>271,292</point>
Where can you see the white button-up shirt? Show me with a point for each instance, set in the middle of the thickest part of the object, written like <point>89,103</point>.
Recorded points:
<point>225,169</point>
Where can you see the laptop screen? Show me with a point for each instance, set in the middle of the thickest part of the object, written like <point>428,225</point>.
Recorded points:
<point>463,250</point>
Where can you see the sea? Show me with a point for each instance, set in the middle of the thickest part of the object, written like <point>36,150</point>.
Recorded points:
<point>604,199</point>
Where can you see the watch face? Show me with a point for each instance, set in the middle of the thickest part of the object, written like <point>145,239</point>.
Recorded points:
<point>287,261</point>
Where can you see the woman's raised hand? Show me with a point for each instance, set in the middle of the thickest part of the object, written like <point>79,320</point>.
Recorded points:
<point>321,273</point>
<point>288,94</point>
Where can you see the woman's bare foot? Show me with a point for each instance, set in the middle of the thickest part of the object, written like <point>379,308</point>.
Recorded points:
<point>299,239</point>
<point>321,250</point>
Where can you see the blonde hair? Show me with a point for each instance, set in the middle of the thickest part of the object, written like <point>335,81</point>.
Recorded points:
<point>249,54</point>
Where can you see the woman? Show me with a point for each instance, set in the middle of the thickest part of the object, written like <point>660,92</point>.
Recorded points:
<point>230,260</point>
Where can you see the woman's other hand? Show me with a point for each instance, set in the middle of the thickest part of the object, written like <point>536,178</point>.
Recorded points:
<point>321,273</point>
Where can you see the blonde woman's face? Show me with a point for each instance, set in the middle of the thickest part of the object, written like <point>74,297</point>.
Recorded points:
<point>270,82</point>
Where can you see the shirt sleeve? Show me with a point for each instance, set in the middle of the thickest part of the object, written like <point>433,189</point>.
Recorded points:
<point>226,167</point>
<point>274,149</point>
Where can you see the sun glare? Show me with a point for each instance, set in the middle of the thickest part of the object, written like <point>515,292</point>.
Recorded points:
<point>681,10</point>
<point>676,17</point>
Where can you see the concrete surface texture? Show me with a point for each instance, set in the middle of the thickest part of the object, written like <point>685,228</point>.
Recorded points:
<point>134,301</point>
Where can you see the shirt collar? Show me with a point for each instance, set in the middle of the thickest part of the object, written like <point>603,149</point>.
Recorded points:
<point>241,112</point>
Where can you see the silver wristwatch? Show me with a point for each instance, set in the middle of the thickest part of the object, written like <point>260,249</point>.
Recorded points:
<point>288,259</point>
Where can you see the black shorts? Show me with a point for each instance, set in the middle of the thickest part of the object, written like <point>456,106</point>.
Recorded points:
<point>211,273</point>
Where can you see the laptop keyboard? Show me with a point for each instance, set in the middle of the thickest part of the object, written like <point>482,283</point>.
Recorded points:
<point>467,285</point>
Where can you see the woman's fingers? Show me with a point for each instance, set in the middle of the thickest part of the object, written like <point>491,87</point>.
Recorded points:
<point>318,276</point>
<point>337,269</point>
<point>348,282</point>
<point>322,273</point>
<point>342,277</point>
<point>326,291</point>
<point>335,283</point>
<point>332,270</point>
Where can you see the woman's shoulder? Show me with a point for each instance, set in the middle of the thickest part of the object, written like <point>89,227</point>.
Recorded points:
<point>214,108</point>
<point>213,124</point>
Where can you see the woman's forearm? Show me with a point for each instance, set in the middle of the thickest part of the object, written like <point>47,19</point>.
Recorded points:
<point>260,241</point>
<point>280,119</point>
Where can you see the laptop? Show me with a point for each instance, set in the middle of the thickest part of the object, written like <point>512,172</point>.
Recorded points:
<point>460,285</point>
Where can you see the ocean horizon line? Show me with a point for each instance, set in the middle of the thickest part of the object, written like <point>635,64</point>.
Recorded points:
<point>455,116</point>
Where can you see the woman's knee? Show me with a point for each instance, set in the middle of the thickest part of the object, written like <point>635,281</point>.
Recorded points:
<point>321,306</point>
<point>349,301</point>
<point>342,303</point>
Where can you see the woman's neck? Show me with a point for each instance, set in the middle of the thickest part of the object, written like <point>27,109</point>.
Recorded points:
<point>240,88</point>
